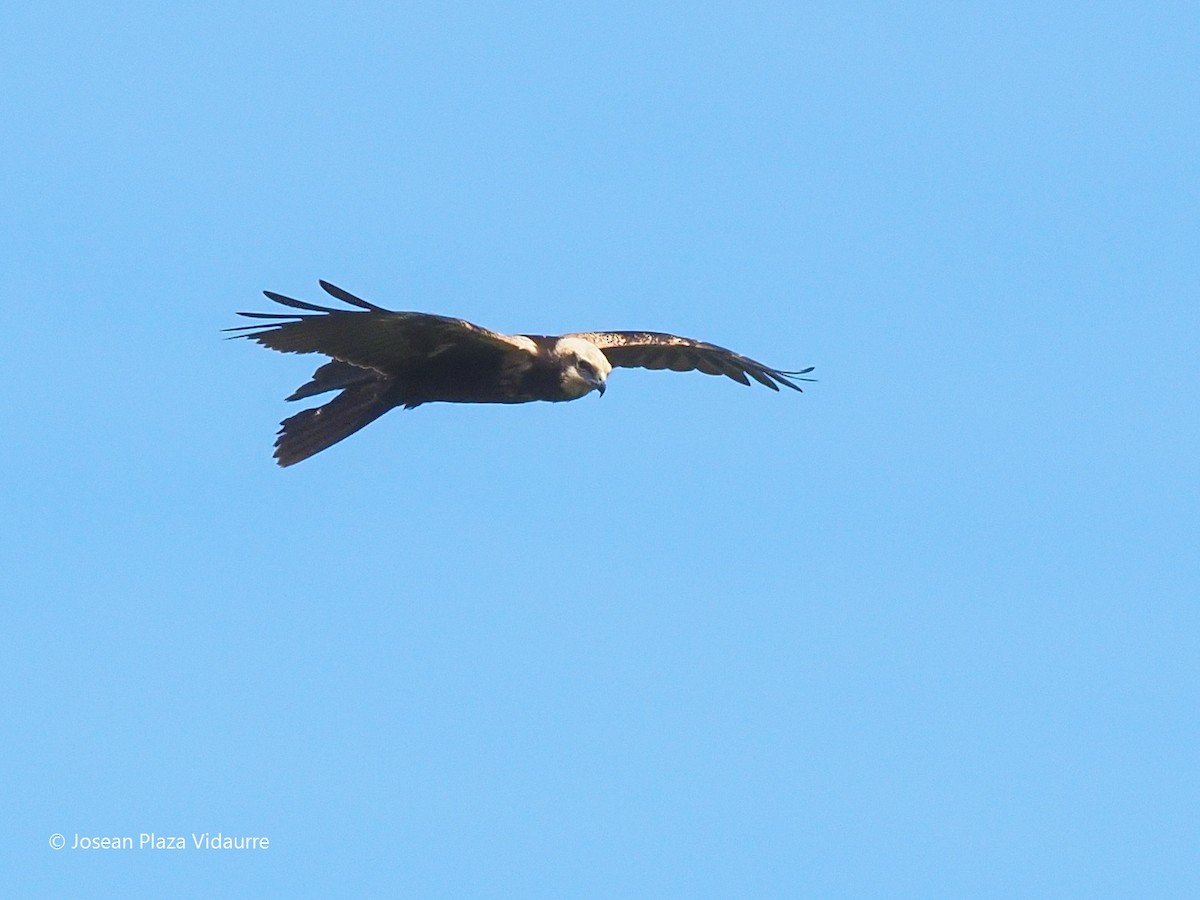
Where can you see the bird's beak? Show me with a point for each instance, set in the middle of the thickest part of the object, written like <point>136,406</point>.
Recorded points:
<point>600,386</point>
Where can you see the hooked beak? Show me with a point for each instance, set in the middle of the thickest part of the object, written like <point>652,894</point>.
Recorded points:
<point>600,386</point>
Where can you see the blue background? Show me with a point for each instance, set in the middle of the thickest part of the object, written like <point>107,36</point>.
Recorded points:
<point>928,629</point>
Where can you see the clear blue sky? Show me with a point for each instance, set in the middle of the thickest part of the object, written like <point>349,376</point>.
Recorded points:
<point>929,629</point>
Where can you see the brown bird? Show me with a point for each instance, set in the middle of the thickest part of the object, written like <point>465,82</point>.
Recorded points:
<point>382,359</point>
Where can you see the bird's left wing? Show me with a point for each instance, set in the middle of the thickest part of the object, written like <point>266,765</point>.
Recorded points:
<point>370,336</point>
<point>655,350</point>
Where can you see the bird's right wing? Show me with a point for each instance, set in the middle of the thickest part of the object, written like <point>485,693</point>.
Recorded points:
<point>656,350</point>
<point>370,336</point>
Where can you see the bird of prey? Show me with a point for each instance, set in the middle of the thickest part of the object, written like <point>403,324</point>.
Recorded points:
<point>380,359</point>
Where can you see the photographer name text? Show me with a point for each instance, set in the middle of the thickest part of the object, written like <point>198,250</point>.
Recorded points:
<point>152,841</point>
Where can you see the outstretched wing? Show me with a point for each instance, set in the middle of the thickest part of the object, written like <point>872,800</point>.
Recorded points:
<point>369,336</point>
<point>655,350</point>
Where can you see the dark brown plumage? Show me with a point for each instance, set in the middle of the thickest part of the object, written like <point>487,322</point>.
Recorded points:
<point>382,359</point>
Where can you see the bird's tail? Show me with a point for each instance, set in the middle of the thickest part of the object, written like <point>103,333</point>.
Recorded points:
<point>311,431</point>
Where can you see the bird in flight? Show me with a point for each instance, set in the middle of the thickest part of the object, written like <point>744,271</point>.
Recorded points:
<point>380,359</point>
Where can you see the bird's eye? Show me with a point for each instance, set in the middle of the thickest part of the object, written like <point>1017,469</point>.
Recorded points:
<point>585,366</point>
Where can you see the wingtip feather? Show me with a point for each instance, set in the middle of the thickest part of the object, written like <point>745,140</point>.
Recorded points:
<point>346,297</point>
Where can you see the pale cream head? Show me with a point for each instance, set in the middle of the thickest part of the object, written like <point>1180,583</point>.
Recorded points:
<point>585,367</point>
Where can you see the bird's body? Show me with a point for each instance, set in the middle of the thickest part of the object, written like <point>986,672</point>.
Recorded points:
<point>382,359</point>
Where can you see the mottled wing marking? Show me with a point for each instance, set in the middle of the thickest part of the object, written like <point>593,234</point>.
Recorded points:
<point>370,336</point>
<point>655,350</point>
